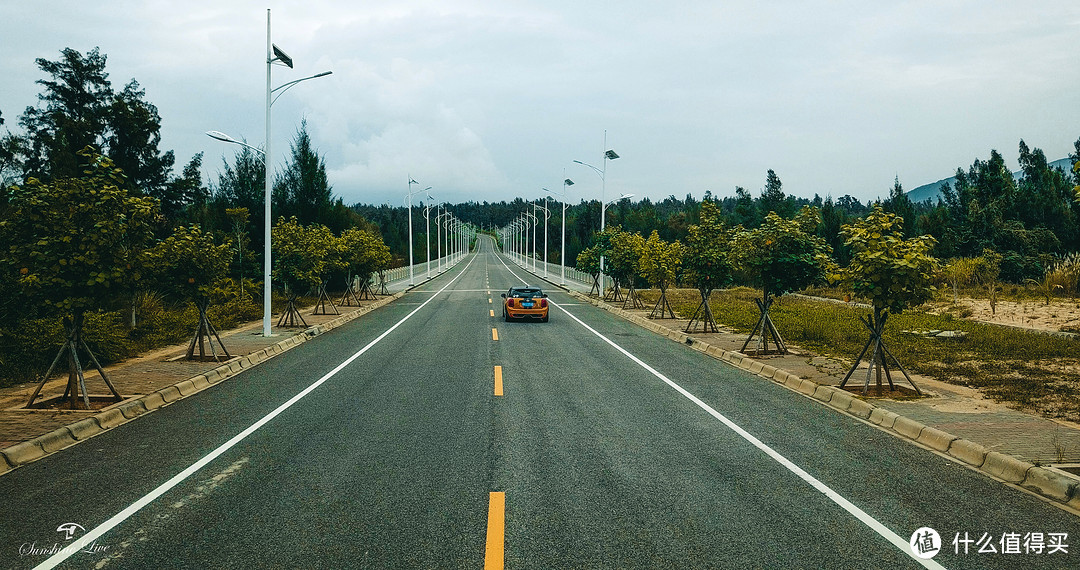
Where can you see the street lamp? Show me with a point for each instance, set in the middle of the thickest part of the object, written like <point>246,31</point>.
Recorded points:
<point>409,196</point>
<point>547,216</point>
<point>427,233</point>
<point>562,242</point>
<point>608,155</point>
<point>273,54</point>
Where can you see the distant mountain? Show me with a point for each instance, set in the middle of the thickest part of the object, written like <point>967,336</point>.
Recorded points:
<point>932,191</point>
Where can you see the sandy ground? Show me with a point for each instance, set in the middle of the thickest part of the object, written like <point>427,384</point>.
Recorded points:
<point>1060,314</point>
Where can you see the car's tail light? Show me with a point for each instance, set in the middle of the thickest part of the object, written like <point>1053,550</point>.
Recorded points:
<point>509,302</point>
<point>543,303</point>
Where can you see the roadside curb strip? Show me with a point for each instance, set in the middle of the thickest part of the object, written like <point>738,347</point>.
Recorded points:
<point>1048,484</point>
<point>28,451</point>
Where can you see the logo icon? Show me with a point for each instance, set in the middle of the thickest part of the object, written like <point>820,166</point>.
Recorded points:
<point>925,543</point>
<point>69,530</point>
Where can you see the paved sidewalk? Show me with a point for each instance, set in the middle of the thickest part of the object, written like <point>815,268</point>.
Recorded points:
<point>957,410</point>
<point>148,373</point>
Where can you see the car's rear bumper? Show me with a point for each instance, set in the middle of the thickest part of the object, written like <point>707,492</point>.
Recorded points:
<point>527,313</point>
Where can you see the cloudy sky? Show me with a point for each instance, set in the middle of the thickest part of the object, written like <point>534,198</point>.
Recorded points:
<point>486,100</point>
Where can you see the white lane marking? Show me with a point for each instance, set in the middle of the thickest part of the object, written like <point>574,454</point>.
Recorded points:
<point>135,507</point>
<point>903,545</point>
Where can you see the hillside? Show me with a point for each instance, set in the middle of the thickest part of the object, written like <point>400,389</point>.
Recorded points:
<point>932,191</point>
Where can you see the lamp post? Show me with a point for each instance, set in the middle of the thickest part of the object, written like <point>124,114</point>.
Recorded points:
<point>409,196</point>
<point>427,233</point>
<point>273,55</point>
<point>562,242</point>
<point>608,155</point>
<point>547,215</point>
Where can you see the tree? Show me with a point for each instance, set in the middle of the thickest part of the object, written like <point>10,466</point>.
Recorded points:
<point>588,261</point>
<point>706,261</point>
<point>188,263</point>
<point>299,262</point>
<point>364,254</point>
<point>132,136</point>
<point>780,256</point>
<point>773,198</point>
<point>73,243</point>
<point>893,273</point>
<point>661,262</point>
<point>302,189</point>
<point>73,115</point>
<point>238,218</point>
<point>624,263</point>
<point>243,185</point>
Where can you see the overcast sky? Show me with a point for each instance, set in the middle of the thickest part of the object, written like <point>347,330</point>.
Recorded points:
<point>493,100</point>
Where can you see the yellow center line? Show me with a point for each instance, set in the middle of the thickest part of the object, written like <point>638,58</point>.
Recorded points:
<point>489,301</point>
<point>494,334</point>
<point>491,312</point>
<point>498,381</point>
<point>496,531</point>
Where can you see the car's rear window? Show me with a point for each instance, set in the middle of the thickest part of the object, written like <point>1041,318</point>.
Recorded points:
<point>526,293</point>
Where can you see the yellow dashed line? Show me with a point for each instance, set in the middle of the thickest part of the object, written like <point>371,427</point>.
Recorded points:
<point>496,531</point>
<point>491,312</point>
<point>494,334</point>
<point>498,381</point>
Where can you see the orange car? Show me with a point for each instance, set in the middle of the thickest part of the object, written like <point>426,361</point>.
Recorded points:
<point>525,303</point>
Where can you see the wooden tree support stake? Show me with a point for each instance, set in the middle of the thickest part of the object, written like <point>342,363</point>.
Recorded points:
<point>76,378</point>
<point>662,306</point>
<point>766,328</point>
<point>595,285</point>
<point>703,314</point>
<point>632,298</point>
<point>324,298</point>
<point>349,296</point>
<point>206,330</point>
<point>291,317</point>
<point>879,359</point>
<point>382,285</point>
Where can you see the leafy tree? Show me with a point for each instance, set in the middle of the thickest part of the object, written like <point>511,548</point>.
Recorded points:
<point>299,261</point>
<point>188,263</point>
<point>364,254</point>
<point>624,262</point>
<point>72,242</point>
<point>705,260</point>
<point>588,261</point>
<point>893,273</point>
<point>243,185</point>
<point>238,218</point>
<point>661,263</point>
<point>780,256</point>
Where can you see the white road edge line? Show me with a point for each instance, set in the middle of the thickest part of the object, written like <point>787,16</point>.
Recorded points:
<point>858,513</point>
<point>135,507</point>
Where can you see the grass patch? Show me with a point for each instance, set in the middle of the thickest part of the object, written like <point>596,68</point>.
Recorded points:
<point>1028,370</point>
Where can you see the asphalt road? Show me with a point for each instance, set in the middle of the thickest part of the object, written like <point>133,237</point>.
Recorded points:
<point>383,444</point>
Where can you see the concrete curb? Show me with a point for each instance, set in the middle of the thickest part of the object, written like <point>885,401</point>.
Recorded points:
<point>1047,483</point>
<point>60,438</point>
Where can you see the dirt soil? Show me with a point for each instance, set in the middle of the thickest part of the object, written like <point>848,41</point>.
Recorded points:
<point>1033,313</point>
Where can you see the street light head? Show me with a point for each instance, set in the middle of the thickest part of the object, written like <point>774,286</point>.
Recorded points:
<point>220,136</point>
<point>323,74</point>
<point>610,155</point>
<point>568,182</point>
<point>579,162</point>
<point>625,196</point>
